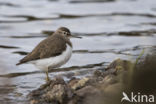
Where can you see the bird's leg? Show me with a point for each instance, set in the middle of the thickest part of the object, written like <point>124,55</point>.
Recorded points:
<point>47,76</point>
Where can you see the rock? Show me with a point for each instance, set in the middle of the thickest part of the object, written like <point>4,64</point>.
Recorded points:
<point>73,81</point>
<point>55,91</point>
<point>87,90</point>
<point>87,94</point>
<point>98,73</point>
<point>119,64</point>
<point>95,89</point>
<point>34,102</point>
<point>80,83</point>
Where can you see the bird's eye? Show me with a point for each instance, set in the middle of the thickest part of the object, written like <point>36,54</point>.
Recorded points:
<point>65,33</point>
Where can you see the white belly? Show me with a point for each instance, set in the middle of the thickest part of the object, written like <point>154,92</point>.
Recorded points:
<point>55,61</point>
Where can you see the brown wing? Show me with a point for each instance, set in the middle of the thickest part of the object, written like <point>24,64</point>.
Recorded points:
<point>52,46</point>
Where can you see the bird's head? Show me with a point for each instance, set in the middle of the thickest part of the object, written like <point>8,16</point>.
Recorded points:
<point>66,32</point>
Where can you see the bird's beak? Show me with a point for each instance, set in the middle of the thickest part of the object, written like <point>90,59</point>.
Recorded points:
<point>73,36</point>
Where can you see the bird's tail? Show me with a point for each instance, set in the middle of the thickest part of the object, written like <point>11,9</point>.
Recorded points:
<point>19,63</point>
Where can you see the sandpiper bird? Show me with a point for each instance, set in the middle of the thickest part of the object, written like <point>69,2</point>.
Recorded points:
<point>52,52</point>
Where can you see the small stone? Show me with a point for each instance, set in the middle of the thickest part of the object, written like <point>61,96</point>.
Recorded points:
<point>98,73</point>
<point>80,83</point>
<point>73,81</point>
<point>119,64</point>
<point>34,102</point>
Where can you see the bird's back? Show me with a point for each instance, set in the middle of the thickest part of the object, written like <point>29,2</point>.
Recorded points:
<point>49,47</point>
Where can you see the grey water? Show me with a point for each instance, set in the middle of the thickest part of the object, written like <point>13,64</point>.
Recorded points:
<point>110,29</point>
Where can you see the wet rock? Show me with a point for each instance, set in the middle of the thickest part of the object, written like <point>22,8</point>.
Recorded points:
<point>87,94</point>
<point>93,89</point>
<point>98,73</point>
<point>81,83</point>
<point>55,91</point>
<point>120,65</point>
<point>73,81</point>
<point>34,102</point>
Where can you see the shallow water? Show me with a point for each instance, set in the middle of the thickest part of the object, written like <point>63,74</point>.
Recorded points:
<point>110,29</point>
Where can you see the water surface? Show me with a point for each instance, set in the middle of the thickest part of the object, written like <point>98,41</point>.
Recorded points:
<point>110,29</point>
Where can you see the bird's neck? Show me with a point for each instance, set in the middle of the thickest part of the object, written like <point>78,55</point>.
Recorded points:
<point>69,42</point>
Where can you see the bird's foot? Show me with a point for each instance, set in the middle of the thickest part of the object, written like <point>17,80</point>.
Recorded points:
<point>47,79</point>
